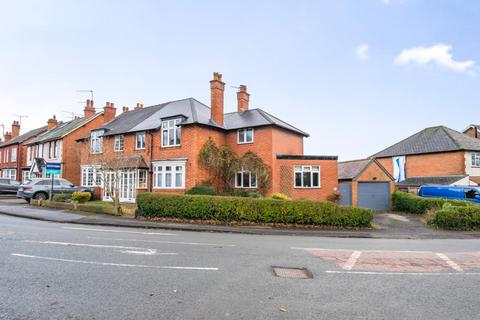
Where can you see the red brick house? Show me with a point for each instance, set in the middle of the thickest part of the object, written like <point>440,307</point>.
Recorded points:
<point>163,142</point>
<point>13,152</point>
<point>436,155</point>
<point>58,143</point>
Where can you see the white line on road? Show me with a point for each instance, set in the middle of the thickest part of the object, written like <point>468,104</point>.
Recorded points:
<point>168,242</point>
<point>120,231</point>
<point>405,273</point>
<point>352,260</point>
<point>131,249</point>
<point>350,250</point>
<point>450,263</point>
<point>112,264</point>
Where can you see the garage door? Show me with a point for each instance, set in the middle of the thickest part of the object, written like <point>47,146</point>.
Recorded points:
<point>374,195</point>
<point>346,190</point>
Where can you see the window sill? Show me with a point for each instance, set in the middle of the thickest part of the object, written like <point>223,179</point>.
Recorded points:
<point>251,142</point>
<point>307,187</point>
<point>139,149</point>
<point>252,188</point>
<point>172,146</point>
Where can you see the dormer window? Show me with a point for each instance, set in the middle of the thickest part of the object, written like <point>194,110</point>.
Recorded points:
<point>245,135</point>
<point>96,141</point>
<point>171,132</point>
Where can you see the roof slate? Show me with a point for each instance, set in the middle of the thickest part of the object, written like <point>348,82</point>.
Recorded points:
<point>418,181</point>
<point>23,137</point>
<point>351,169</point>
<point>431,140</point>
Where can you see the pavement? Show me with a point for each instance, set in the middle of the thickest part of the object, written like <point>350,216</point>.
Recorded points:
<point>52,271</point>
<point>386,225</point>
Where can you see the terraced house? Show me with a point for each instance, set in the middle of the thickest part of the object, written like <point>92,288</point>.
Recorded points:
<point>159,146</point>
<point>58,144</point>
<point>13,152</point>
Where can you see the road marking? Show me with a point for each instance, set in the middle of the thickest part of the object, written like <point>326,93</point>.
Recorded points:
<point>120,231</point>
<point>126,249</point>
<point>350,250</point>
<point>405,273</point>
<point>450,263</point>
<point>352,260</point>
<point>168,242</point>
<point>113,264</point>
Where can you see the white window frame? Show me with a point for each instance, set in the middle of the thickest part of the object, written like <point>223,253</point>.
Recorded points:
<point>144,185</point>
<point>302,169</point>
<point>14,154</point>
<point>244,131</point>
<point>119,144</point>
<point>86,180</point>
<point>240,184</point>
<point>9,174</point>
<point>25,175</point>
<point>160,172</point>
<point>5,155</point>
<point>475,158</point>
<point>169,127</point>
<point>137,135</point>
<point>96,142</point>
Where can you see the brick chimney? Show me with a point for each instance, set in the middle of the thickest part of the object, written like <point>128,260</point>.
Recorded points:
<point>109,112</point>
<point>243,98</point>
<point>217,88</point>
<point>125,109</point>
<point>7,136</point>
<point>15,129</point>
<point>52,122</point>
<point>89,109</point>
<point>139,106</point>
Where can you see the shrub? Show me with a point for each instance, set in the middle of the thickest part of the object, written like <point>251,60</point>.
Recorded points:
<point>279,196</point>
<point>61,197</point>
<point>242,194</point>
<point>457,217</point>
<point>334,197</point>
<point>81,196</point>
<point>229,209</point>
<point>407,202</point>
<point>202,190</point>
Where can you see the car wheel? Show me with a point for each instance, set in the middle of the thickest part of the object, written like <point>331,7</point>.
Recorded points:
<point>40,196</point>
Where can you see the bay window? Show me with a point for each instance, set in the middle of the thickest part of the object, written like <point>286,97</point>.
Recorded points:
<point>142,179</point>
<point>307,176</point>
<point>169,175</point>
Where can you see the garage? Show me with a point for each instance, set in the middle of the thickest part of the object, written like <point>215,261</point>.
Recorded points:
<point>365,183</point>
<point>374,195</point>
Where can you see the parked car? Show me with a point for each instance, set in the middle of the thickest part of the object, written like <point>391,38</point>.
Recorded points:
<point>451,192</point>
<point>8,186</point>
<point>40,188</point>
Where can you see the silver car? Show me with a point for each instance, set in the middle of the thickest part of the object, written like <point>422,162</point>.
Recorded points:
<point>8,186</point>
<point>40,188</point>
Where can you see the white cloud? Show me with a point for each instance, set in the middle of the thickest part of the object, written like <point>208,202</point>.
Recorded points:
<point>362,51</point>
<point>439,54</point>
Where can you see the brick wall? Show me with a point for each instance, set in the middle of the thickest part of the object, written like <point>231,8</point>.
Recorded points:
<point>471,132</point>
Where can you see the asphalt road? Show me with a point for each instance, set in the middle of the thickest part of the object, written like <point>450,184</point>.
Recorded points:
<point>64,271</point>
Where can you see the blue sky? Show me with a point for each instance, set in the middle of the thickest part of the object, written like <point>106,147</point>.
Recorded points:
<point>357,75</point>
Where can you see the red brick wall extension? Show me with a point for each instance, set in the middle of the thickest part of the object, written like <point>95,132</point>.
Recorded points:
<point>471,132</point>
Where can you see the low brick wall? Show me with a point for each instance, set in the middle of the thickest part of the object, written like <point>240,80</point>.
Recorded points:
<point>84,207</point>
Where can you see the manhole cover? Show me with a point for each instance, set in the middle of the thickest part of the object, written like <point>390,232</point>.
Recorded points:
<point>295,273</point>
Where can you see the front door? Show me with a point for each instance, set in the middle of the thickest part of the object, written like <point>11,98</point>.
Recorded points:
<point>127,186</point>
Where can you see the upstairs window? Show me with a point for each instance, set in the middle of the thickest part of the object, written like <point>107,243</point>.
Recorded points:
<point>14,154</point>
<point>119,142</point>
<point>475,159</point>
<point>171,132</point>
<point>96,141</point>
<point>307,176</point>
<point>245,135</point>
<point>140,141</point>
<point>5,155</point>
<point>246,179</point>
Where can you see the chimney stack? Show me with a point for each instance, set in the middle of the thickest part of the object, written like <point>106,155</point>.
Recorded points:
<point>89,109</point>
<point>125,109</point>
<point>243,98</point>
<point>217,88</point>
<point>109,112</point>
<point>139,106</point>
<point>52,122</point>
<point>15,129</point>
<point>7,136</point>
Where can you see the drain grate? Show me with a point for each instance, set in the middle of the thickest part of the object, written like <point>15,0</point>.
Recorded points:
<point>294,273</point>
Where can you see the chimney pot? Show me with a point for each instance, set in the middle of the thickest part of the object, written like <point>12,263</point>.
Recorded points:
<point>109,112</point>
<point>52,122</point>
<point>7,136</point>
<point>89,109</point>
<point>15,129</point>
<point>139,106</point>
<point>217,89</point>
<point>243,98</point>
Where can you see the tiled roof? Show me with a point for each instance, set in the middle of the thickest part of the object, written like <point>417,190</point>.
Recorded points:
<point>62,129</point>
<point>351,169</point>
<point>130,161</point>
<point>23,137</point>
<point>418,181</point>
<point>193,111</point>
<point>431,140</point>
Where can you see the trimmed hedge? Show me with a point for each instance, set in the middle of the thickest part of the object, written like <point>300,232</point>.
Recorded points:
<point>458,218</point>
<point>407,202</point>
<point>202,190</point>
<point>228,209</point>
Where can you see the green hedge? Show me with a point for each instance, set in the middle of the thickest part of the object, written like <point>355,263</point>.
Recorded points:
<point>228,209</point>
<point>202,190</point>
<point>458,218</point>
<point>407,202</point>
